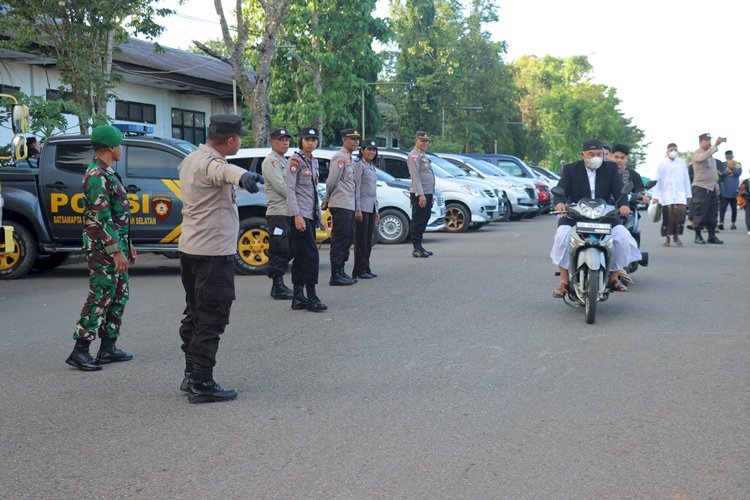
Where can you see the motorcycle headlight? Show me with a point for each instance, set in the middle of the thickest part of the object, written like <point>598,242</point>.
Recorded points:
<point>471,191</point>
<point>592,212</point>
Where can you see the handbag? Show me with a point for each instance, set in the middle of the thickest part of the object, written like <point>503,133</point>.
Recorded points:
<point>654,212</point>
<point>742,194</point>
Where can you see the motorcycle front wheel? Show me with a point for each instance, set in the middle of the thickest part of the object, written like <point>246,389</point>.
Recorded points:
<point>592,295</point>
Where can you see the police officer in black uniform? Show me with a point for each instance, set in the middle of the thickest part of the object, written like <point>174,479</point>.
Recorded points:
<point>340,201</point>
<point>422,188</point>
<point>302,200</point>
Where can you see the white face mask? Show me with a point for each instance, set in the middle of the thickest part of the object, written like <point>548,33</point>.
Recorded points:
<point>672,154</point>
<point>594,163</point>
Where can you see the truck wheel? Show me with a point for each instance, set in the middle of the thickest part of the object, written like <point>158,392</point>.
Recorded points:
<point>393,227</point>
<point>252,246</point>
<point>457,218</point>
<point>47,262</point>
<point>18,263</point>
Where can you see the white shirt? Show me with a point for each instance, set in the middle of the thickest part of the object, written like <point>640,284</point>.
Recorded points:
<point>672,182</point>
<point>592,181</point>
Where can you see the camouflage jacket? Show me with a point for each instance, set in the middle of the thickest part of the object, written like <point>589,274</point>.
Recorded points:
<point>106,216</point>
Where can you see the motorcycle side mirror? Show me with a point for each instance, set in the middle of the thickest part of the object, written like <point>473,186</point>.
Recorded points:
<point>558,191</point>
<point>650,184</point>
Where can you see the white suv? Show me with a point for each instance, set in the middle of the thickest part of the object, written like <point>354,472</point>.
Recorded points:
<point>393,195</point>
<point>467,205</point>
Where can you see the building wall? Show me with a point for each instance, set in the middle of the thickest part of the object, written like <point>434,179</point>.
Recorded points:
<point>35,80</point>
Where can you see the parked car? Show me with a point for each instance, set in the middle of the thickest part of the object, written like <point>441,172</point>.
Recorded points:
<point>552,177</point>
<point>466,205</point>
<point>394,206</point>
<point>520,192</point>
<point>516,167</point>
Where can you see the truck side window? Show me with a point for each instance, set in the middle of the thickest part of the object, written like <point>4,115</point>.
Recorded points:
<point>73,158</point>
<point>151,163</point>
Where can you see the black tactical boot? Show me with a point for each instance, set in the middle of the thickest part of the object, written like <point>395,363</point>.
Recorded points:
<point>713,239</point>
<point>429,253</point>
<point>338,278</point>
<point>109,353</point>
<point>279,291</point>
<point>205,390</point>
<point>187,381</point>
<point>699,238</point>
<point>81,359</point>
<point>298,300</point>
<point>420,253</point>
<point>314,304</point>
<point>343,273</point>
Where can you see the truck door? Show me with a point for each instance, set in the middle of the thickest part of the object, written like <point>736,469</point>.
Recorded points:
<point>151,179</point>
<point>60,180</point>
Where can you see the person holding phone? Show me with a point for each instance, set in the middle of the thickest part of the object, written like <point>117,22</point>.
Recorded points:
<point>705,189</point>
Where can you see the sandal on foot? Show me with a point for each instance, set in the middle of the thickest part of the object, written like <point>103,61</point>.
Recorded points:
<point>625,278</point>
<point>678,243</point>
<point>617,286</point>
<point>666,244</point>
<point>560,291</point>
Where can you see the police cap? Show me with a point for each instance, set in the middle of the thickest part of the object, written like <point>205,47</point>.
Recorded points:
<point>369,143</point>
<point>351,133</point>
<point>729,153</point>
<point>306,132</point>
<point>106,135</point>
<point>226,124</point>
<point>422,135</point>
<point>704,137</point>
<point>279,133</point>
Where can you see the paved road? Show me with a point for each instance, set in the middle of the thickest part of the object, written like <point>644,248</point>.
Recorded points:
<point>457,376</point>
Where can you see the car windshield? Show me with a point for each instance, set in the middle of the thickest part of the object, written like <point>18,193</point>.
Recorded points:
<point>448,167</point>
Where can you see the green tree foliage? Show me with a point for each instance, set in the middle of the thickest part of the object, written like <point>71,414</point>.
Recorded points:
<point>326,60</point>
<point>81,35</point>
<point>453,65</point>
<point>562,107</point>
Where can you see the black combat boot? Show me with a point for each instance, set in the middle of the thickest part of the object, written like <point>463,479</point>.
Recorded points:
<point>428,252</point>
<point>314,304</point>
<point>343,273</point>
<point>187,381</point>
<point>699,238</point>
<point>338,278</point>
<point>81,359</point>
<point>109,353</point>
<point>298,300</point>
<point>279,291</point>
<point>713,239</point>
<point>420,253</point>
<point>205,390</point>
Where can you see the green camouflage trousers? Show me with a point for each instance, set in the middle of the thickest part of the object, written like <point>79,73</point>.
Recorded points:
<point>105,303</point>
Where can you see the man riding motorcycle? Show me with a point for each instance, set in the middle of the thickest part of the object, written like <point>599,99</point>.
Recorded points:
<point>592,177</point>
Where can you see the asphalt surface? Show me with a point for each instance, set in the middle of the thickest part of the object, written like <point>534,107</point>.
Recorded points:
<point>457,376</point>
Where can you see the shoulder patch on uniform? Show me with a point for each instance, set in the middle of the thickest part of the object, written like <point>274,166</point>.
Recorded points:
<point>293,168</point>
<point>294,161</point>
<point>414,156</point>
<point>341,163</point>
<point>274,163</point>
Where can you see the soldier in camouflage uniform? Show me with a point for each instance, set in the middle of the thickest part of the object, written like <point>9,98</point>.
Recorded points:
<point>106,241</point>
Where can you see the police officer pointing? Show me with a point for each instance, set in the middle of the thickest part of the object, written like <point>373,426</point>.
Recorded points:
<point>422,188</point>
<point>340,194</point>
<point>277,214</point>
<point>210,224</point>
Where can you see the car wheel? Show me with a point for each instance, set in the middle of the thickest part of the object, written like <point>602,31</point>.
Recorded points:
<point>393,227</point>
<point>47,262</point>
<point>457,218</point>
<point>252,246</point>
<point>18,263</point>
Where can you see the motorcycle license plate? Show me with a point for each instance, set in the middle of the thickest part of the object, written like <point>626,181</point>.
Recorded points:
<point>594,227</point>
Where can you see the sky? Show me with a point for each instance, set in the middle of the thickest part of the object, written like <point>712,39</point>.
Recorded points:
<point>680,67</point>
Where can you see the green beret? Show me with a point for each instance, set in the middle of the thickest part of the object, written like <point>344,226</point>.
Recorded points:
<point>106,135</point>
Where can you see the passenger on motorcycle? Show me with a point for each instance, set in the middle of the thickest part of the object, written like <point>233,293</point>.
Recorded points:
<point>592,177</point>
<point>620,155</point>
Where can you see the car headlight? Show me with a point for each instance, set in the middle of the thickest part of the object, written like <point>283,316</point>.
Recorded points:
<point>471,191</point>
